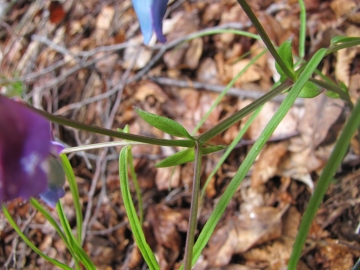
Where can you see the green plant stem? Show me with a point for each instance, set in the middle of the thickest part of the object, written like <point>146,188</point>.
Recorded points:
<point>343,45</point>
<point>194,208</point>
<point>336,89</point>
<point>285,106</point>
<point>108,132</point>
<point>302,34</point>
<point>229,150</point>
<point>228,122</point>
<point>226,89</point>
<point>266,39</point>
<point>330,168</point>
<point>224,31</point>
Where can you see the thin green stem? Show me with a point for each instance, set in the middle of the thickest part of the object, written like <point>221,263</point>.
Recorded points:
<point>330,168</point>
<point>225,31</point>
<point>108,132</point>
<point>344,45</point>
<point>229,150</point>
<point>289,73</point>
<point>334,88</point>
<point>194,207</point>
<point>228,122</point>
<point>221,205</point>
<point>302,34</point>
<point>226,89</point>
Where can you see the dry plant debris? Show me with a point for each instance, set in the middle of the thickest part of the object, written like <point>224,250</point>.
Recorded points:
<point>85,60</point>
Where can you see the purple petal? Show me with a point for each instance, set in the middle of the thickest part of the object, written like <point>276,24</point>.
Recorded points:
<point>143,11</point>
<point>52,196</point>
<point>158,9</point>
<point>56,148</point>
<point>24,144</point>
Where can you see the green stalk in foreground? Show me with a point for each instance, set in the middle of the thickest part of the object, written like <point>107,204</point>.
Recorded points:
<point>194,207</point>
<point>254,151</point>
<point>236,117</point>
<point>330,168</point>
<point>289,73</point>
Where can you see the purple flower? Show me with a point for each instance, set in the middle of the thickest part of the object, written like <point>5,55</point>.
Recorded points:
<point>25,154</point>
<point>150,14</point>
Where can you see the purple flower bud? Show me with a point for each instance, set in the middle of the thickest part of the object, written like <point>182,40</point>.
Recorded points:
<point>150,14</point>
<point>25,149</point>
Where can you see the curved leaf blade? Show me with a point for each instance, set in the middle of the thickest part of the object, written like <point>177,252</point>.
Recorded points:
<point>164,124</point>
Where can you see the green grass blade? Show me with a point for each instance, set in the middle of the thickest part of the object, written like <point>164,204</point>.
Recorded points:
<point>226,89</point>
<point>136,185</point>
<point>75,194</point>
<point>253,153</point>
<point>131,212</point>
<point>229,149</point>
<point>302,34</point>
<point>330,168</point>
<point>28,242</point>
<point>80,254</point>
<point>226,31</point>
<point>49,218</point>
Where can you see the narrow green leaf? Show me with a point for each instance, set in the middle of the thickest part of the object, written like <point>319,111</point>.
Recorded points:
<point>164,124</point>
<point>345,43</point>
<point>178,158</point>
<point>134,222</point>
<point>285,52</point>
<point>187,155</point>
<point>326,176</point>
<point>29,243</point>
<point>342,39</point>
<point>75,194</point>
<point>343,87</point>
<point>310,90</point>
<point>229,149</point>
<point>49,218</point>
<point>81,255</point>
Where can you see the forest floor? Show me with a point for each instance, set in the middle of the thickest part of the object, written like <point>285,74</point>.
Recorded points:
<point>85,60</point>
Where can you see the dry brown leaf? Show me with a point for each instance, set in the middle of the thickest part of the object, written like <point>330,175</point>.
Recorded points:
<point>266,165</point>
<point>252,74</point>
<point>346,10</point>
<point>321,113</point>
<point>275,254</point>
<point>287,127</point>
<point>260,225</point>
<point>108,64</point>
<point>291,222</point>
<point>164,221</point>
<point>335,256</point>
<point>167,178</point>
<point>207,71</point>
<point>129,53</point>
<point>149,88</point>
<point>193,53</point>
<point>342,67</point>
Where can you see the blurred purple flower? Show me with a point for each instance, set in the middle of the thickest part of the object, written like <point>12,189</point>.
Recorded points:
<point>150,14</point>
<point>26,155</point>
